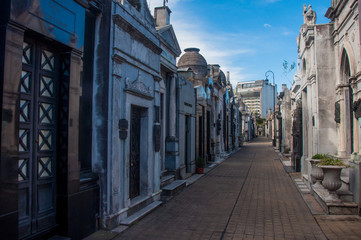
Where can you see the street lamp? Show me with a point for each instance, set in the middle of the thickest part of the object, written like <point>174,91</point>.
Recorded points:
<point>269,72</point>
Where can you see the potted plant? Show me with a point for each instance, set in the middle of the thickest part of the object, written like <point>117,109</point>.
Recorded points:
<point>316,172</point>
<point>200,163</point>
<point>332,167</point>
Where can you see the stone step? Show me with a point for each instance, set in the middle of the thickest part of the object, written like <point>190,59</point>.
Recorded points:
<point>59,238</point>
<point>166,180</point>
<point>173,188</point>
<point>140,214</point>
<point>302,187</point>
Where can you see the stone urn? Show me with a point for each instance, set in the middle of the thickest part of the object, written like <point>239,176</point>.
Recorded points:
<point>316,173</point>
<point>332,181</point>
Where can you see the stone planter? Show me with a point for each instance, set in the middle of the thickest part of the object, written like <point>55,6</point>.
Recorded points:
<point>332,181</point>
<point>316,173</point>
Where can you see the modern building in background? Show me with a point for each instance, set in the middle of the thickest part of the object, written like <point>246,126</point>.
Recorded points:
<point>259,96</point>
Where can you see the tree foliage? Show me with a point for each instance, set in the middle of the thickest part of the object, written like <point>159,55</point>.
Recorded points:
<point>286,68</point>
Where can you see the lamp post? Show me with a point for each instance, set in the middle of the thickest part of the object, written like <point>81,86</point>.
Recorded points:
<point>269,72</point>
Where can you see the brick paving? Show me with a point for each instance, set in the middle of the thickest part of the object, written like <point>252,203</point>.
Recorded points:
<point>248,196</point>
<point>340,226</point>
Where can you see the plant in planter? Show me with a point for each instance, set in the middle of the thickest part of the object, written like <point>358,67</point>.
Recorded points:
<point>200,163</point>
<point>316,172</point>
<point>332,176</point>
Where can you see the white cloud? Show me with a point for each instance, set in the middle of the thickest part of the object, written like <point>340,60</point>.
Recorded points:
<point>266,25</point>
<point>216,46</point>
<point>287,33</point>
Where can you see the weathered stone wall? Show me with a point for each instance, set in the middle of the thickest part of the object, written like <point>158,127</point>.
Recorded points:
<point>131,79</point>
<point>325,87</point>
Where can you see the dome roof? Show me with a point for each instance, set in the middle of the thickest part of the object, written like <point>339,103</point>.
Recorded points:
<point>192,59</point>
<point>222,78</point>
<point>242,106</point>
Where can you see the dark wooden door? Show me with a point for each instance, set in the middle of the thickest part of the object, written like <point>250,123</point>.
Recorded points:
<point>186,143</point>
<point>134,165</point>
<point>37,139</point>
<point>208,136</point>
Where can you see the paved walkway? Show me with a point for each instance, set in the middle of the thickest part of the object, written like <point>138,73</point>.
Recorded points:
<point>248,196</point>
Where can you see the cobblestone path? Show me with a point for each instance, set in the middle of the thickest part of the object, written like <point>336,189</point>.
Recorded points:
<point>248,196</point>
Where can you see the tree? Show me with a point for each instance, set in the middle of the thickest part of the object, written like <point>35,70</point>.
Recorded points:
<point>287,69</point>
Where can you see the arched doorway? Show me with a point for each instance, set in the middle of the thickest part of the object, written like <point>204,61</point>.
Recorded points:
<point>348,101</point>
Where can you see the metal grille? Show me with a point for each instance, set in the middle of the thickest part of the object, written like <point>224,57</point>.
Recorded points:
<point>134,180</point>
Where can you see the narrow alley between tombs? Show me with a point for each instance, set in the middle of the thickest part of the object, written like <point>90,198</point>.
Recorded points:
<point>248,195</point>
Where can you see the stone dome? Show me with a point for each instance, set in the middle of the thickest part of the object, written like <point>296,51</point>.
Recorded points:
<point>222,78</point>
<point>242,107</point>
<point>192,59</point>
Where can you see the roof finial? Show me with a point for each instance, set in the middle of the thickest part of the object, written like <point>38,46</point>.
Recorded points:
<point>164,1</point>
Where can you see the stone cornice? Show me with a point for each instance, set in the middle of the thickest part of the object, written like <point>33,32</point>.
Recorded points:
<point>309,35</point>
<point>311,77</point>
<point>336,14</point>
<point>157,78</point>
<point>118,59</point>
<point>121,57</point>
<point>342,85</point>
<point>136,34</point>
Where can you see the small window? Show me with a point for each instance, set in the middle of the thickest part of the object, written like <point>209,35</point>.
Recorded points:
<point>304,66</point>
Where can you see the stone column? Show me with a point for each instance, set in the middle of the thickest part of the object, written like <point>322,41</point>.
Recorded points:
<point>172,163</point>
<point>172,106</point>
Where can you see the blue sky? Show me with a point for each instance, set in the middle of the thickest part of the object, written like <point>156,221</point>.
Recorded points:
<point>245,37</point>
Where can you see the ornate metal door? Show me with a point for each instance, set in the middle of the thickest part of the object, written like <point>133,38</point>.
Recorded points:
<point>134,165</point>
<point>37,139</point>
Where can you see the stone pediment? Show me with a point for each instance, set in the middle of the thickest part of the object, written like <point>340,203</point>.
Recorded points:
<point>138,88</point>
<point>170,39</point>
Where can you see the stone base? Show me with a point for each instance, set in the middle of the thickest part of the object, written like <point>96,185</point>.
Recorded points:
<point>140,214</point>
<point>172,155</point>
<point>337,207</point>
<point>139,205</point>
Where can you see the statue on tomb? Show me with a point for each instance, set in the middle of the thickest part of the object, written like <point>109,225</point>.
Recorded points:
<point>304,13</point>
<point>309,16</point>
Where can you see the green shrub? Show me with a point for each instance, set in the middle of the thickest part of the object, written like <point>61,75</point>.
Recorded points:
<point>319,156</point>
<point>200,162</point>
<point>331,162</point>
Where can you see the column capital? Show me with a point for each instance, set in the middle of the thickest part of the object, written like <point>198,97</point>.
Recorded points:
<point>171,75</point>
